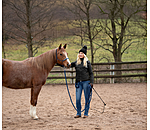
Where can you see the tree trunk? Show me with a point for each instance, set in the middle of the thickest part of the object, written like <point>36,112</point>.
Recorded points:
<point>89,35</point>
<point>30,49</point>
<point>117,42</point>
<point>3,35</point>
<point>29,37</point>
<point>3,49</point>
<point>92,55</point>
<point>3,41</point>
<point>117,57</point>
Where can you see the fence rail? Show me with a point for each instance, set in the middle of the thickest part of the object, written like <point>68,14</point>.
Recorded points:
<point>103,71</point>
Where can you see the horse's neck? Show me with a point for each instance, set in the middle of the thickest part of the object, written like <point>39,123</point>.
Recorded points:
<point>52,60</point>
<point>47,60</point>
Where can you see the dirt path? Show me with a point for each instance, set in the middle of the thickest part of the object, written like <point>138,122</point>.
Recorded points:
<point>126,108</point>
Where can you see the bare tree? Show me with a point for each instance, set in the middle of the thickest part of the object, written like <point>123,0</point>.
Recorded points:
<point>30,20</point>
<point>5,28</point>
<point>122,26</point>
<point>119,27</point>
<point>3,32</point>
<point>85,26</point>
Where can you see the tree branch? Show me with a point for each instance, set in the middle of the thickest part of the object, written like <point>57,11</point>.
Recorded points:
<point>128,47</point>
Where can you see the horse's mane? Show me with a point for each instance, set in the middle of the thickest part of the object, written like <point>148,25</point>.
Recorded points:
<point>42,61</point>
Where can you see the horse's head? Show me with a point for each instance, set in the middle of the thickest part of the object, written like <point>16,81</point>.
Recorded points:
<point>62,56</point>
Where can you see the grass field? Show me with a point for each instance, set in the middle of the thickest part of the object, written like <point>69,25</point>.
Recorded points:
<point>136,52</point>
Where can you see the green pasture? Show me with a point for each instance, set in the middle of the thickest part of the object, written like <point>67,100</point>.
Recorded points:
<point>136,52</point>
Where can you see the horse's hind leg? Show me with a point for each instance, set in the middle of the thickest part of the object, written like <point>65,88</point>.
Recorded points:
<point>34,96</point>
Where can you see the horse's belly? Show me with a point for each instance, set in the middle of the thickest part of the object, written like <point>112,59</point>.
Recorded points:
<point>16,85</point>
<point>16,82</point>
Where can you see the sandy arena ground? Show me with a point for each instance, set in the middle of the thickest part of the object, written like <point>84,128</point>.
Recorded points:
<point>126,108</point>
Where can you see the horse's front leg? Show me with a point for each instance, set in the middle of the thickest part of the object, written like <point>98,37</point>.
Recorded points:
<point>34,96</point>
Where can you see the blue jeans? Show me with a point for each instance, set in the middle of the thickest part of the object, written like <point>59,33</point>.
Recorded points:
<point>84,85</point>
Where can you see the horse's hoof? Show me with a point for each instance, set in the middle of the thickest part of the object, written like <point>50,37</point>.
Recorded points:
<point>35,118</point>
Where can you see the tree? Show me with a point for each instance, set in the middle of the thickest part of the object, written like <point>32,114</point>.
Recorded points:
<point>121,26</point>
<point>86,27</point>
<point>30,20</point>
<point>5,33</point>
<point>118,26</point>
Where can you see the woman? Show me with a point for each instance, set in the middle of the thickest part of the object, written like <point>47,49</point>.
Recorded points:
<point>84,77</point>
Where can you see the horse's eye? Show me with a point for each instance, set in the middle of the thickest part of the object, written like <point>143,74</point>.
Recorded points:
<point>61,54</point>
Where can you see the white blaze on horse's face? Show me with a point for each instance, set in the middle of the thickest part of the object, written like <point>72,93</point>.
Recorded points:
<point>68,61</point>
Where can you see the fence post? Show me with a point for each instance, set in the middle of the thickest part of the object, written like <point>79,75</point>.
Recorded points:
<point>112,73</point>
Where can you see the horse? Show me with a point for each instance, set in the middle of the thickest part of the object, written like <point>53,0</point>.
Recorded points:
<point>33,72</point>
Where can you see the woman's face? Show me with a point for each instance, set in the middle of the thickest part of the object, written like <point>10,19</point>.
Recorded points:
<point>81,55</point>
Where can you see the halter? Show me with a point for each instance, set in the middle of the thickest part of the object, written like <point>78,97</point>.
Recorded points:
<point>60,60</point>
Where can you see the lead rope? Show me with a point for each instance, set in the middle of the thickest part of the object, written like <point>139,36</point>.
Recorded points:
<point>89,97</point>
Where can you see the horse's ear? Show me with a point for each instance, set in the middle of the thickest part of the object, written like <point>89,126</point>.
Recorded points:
<point>65,46</point>
<point>60,46</point>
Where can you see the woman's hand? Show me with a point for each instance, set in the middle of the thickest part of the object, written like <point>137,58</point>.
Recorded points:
<point>91,85</point>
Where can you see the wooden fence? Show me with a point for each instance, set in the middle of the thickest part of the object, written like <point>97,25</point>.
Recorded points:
<point>105,73</point>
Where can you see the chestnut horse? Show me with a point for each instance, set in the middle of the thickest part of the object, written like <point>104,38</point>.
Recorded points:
<point>32,72</point>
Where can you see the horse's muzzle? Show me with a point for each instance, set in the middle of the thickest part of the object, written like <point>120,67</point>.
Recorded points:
<point>68,65</point>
